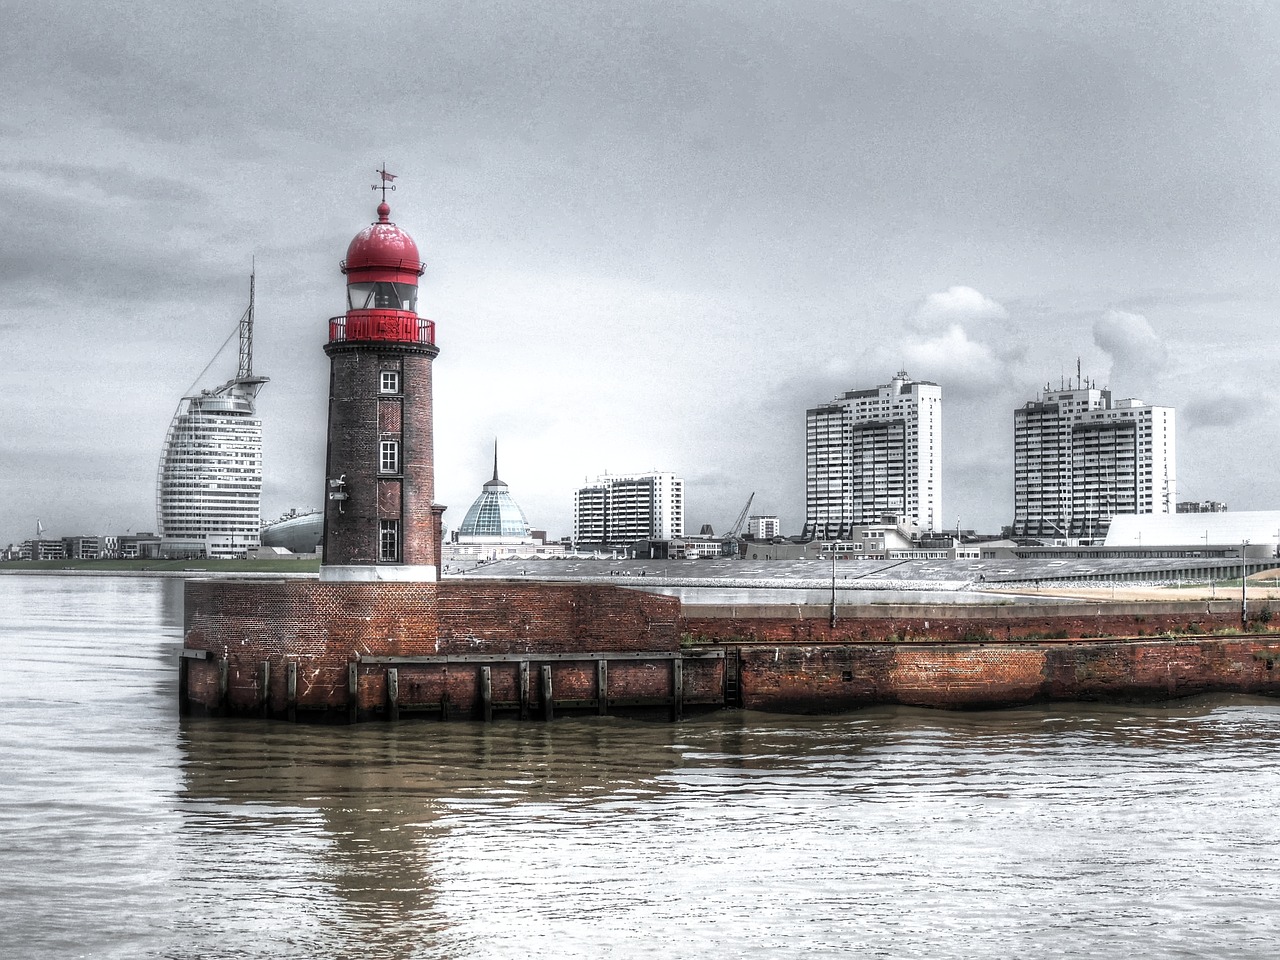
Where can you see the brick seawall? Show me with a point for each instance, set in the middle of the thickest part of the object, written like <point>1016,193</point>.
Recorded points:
<point>828,678</point>
<point>472,649</point>
<point>283,647</point>
<point>908,623</point>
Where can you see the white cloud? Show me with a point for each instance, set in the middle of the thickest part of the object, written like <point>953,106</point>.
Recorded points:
<point>1138,354</point>
<point>956,305</point>
<point>954,359</point>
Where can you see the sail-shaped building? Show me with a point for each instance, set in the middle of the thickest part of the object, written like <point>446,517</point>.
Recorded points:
<point>209,482</point>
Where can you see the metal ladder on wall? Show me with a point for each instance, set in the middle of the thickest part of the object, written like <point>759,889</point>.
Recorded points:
<point>732,685</point>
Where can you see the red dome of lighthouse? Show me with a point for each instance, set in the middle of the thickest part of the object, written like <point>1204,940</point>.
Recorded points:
<point>382,268</point>
<point>382,251</point>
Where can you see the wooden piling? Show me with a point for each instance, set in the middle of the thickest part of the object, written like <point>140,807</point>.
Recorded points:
<point>677,688</point>
<point>264,687</point>
<point>486,693</point>
<point>291,690</point>
<point>524,689</point>
<point>393,693</point>
<point>184,700</point>
<point>224,685</point>
<point>547,712</point>
<point>353,692</point>
<point>602,686</point>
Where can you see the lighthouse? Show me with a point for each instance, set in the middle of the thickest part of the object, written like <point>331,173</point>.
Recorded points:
<point>380,518</point>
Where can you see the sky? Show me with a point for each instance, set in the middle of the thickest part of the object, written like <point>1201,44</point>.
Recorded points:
<point>656,233</point>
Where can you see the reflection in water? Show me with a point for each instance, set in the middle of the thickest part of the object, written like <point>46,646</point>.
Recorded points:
<point>369,804</point>
<point>1065,830</point>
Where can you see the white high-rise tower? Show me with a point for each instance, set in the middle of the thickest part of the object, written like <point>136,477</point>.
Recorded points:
<point>1079,460</point>
<point>872,454</point>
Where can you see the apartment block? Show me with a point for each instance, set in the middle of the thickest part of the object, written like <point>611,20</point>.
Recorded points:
<point>764,528</point>
<point>624,508</point>
<point>873,454</point>
<point>1080,459</point>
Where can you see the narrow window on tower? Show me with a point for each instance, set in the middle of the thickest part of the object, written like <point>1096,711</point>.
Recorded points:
<point>389,456</point>
<point>389,540</point>
<point>390,381</point>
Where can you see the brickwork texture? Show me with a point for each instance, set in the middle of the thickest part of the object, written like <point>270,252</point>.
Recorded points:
<point>802,666</point>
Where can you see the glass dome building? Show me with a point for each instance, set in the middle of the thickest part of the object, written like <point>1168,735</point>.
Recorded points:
<point>495,517</point>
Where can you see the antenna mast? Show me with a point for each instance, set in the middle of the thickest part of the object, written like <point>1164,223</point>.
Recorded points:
<point>245,370</point>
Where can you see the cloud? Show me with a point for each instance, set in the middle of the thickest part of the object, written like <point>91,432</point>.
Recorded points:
<point>955,305</point>
<point>1228,408</point>
<point>1137,352</point>
<point>958,337</point>
<point>953,358</point>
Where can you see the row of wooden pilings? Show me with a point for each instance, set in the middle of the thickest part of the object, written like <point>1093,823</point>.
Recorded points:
<point>530,703</point>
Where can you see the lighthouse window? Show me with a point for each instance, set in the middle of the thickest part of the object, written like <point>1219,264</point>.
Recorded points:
<point>382,296</point>
<point>390,381</point>
<point>389,456</point>
<point>389,540</point>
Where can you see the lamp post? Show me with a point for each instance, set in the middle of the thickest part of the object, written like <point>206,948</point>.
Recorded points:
<point>834,544</point>
<point>1244,588</point>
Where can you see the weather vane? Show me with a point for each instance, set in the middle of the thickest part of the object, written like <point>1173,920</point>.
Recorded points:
<point>387,182</point>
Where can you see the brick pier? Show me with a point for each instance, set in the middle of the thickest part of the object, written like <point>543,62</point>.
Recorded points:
<point>458,649</point>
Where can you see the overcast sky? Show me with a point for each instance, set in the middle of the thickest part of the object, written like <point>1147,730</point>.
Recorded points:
<point>655,232</point>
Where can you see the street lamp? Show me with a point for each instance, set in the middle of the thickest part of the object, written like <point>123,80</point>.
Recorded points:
<point>1244,587</point>
<point>834,544</point>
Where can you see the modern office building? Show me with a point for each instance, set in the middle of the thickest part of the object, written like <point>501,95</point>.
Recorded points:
<point>872,454</point>
<point>42,550</point>
<point>1079,459</point>
<point>629,507</point>
<point>209,482</point>
<point>764,528</point>
<point>82,548</point>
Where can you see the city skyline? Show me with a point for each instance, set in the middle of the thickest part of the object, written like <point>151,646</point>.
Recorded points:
<point>654,236</point>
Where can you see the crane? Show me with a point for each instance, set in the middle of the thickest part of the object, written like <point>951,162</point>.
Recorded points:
<point>735,532</point>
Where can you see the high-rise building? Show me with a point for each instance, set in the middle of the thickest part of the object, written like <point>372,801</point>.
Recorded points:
<point>629,507</point>
<point>209,482</point>
<point>1079,460</point>
<point>871,454</point>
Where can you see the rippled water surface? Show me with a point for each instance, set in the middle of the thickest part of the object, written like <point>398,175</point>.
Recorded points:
<point>1054,832</point>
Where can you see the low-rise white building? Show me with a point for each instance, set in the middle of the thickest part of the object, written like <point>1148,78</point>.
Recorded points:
<point>1259,530</point>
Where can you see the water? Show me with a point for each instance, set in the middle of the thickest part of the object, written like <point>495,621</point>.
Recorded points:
<point>1054,832</point>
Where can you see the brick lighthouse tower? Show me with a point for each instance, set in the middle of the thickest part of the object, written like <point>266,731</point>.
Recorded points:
<point>380,518</point>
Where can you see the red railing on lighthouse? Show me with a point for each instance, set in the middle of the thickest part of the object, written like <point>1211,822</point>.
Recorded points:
<point>395,326</point>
